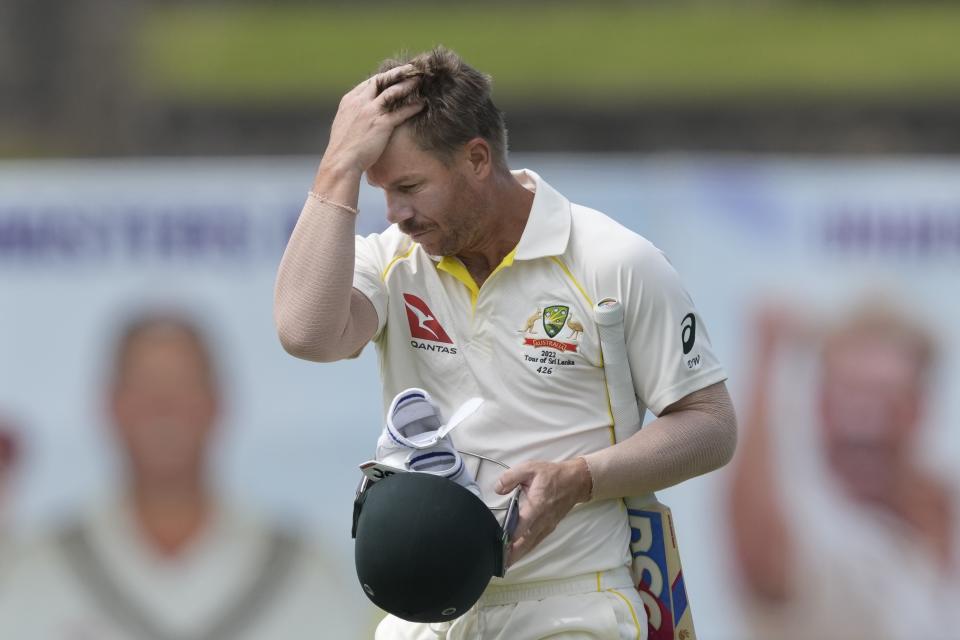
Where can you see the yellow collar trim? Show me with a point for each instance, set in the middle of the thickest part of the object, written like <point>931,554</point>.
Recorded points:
<point>458,270</point>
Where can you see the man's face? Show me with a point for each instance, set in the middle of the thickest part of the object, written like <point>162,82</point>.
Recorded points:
<point>870,407</point>
<point>164,406</point>
<point>433,203</point>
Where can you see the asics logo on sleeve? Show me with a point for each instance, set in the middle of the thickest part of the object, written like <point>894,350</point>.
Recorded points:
<point>423,323</point>
<point>689,333</point>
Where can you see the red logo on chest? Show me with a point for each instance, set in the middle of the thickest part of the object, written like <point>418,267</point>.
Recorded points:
<point>423,323</point>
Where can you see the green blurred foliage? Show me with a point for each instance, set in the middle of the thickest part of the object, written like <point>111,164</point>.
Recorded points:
<point>577,53</point>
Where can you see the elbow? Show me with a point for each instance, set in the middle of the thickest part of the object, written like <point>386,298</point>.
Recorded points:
<point>727,439</point>
<point>299,342</point>
<point>713,422</point>
<point>293,342</point>
<point>724,432</point>
<point>722,442</point>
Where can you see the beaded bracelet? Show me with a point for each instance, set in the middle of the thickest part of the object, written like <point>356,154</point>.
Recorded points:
<point>325,200</point>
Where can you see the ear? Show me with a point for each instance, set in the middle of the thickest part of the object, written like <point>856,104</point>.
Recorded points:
<point>478,158</point>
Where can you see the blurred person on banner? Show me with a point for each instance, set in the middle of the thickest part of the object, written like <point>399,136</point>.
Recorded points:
<point>9,450</point>
<point>168,559</point>
<point>839,529</point>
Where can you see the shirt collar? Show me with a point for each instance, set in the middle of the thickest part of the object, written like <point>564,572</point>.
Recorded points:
<point>548,227</point>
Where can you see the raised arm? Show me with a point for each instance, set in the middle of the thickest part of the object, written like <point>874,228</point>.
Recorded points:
<point>761,537</point>
<point>318,314</point>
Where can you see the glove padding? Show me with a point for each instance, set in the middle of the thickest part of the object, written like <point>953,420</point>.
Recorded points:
<point>416,439</point>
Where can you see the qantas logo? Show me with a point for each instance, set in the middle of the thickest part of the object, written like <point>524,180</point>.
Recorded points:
<point>423,324</point>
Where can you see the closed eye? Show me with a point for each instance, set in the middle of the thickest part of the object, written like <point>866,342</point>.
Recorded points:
<point>408,188</point>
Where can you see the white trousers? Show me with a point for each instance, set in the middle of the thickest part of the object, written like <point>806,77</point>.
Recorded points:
<point>597,606</point>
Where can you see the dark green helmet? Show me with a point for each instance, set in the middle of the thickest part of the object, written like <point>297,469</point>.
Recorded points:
<point>426,547</point>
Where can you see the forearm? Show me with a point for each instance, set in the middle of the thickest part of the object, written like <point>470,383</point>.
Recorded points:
<point>338,181</point>
<point>679,445</point>
<point>318,314</point>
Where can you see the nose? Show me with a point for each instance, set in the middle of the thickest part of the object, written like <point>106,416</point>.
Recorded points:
<point>397,210</point>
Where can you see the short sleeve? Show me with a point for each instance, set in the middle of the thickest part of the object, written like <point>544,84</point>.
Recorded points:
<point>370,262</point>
<point>669,349</point>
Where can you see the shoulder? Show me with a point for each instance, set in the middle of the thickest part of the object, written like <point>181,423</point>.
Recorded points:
<point>391,241</point>
<point>284,542</point>
<point>603,248</point>
<point>386,248</point>
<point>36,586</point>
<point>31,551</point>
<point>308,570</point>
<point>37,560</point>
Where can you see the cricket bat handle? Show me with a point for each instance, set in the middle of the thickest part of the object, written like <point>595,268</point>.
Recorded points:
<point>656,568</point>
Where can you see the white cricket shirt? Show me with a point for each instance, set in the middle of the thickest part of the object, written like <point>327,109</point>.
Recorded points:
<point>526,342</point>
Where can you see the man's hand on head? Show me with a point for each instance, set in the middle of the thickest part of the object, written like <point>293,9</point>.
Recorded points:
<point>366,119</point>
<point>549,491</point>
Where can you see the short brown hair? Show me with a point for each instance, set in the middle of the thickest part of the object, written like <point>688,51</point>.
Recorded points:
<point>163,321</point>
<point>877,318</point>
<point>457,104</point>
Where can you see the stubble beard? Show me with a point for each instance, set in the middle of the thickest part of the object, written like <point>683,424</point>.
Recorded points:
<point>466,215</point>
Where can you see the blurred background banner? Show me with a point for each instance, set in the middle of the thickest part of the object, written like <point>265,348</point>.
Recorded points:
<point>85,243</point>
<point>796,161</point>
